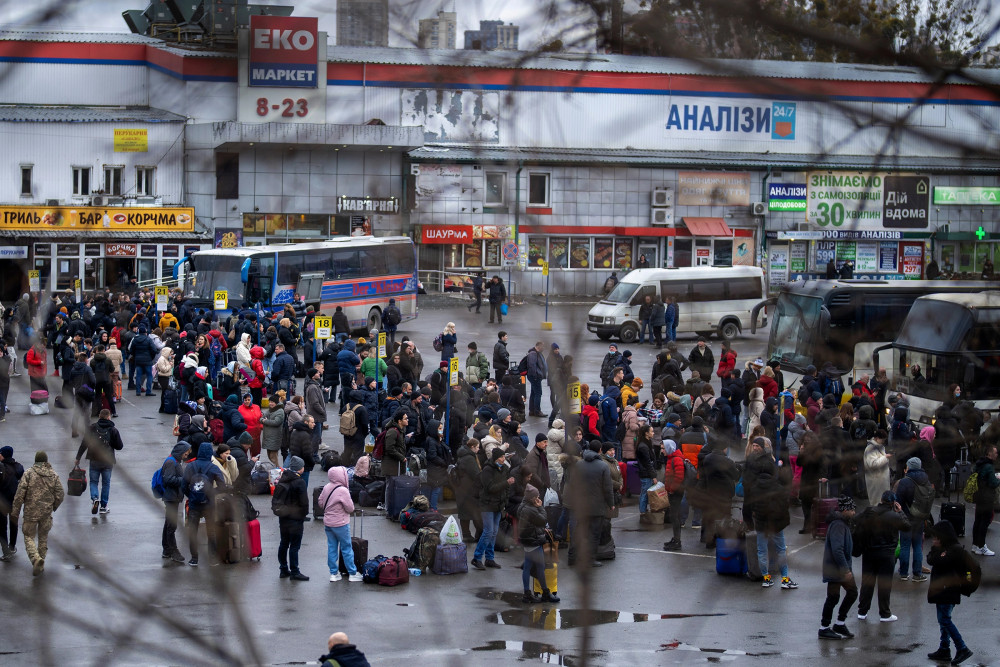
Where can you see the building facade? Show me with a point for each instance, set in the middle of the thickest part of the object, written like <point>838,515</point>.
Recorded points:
<point>363,23</point>
<point>588,165</point>
<point>492,36</point>
<point>437,33</point>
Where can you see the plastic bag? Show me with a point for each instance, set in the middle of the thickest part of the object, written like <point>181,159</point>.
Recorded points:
<point>451,533</point>
<point>657,497</point>
<point>551,498</point>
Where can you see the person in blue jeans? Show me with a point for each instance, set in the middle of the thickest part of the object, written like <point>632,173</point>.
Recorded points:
<point>100,442</point>
<point>335,499</point>
<point>913,538</point>
<point>647,468</point>
<point>497,481</point>
<point>947,560</point>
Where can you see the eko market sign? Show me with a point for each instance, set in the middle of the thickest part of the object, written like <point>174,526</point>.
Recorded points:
<point>868,200</point>
<point>347,204</point>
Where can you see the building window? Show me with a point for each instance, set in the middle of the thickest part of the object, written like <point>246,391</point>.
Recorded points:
<point>496,186</point>
<point>113,180</point>
<point>81,181</point>
<point>227,175</point>
<point>25,180</point>
<point>538,189</point>
<point>144,180</point>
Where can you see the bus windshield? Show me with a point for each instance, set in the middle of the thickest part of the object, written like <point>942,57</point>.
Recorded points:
<point>622,292</point>
<point>795,324</point>
<point>935,325</point>
<point>216,273</point>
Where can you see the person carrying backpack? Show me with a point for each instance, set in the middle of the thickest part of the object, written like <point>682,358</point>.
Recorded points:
<point>172,489</point>
<point>290,503</point>
<point>391,317</point>
<point>916,496</point>
<point>100,443</point>
<point>202,479</point>
<point>947,559</point>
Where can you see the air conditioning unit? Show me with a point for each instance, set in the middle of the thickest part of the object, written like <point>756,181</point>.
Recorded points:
<point>661,216</point>
<point>758,208</point>
<point>663,197</point>
<point>98,200</point>
<point>804,227</point>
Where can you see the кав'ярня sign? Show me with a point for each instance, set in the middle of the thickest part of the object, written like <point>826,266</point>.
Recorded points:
<point>91,218</point>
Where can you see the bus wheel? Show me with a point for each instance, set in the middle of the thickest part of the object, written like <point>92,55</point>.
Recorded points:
<point>374,319</point>
<point>629,333</point>
<point>729,330</point>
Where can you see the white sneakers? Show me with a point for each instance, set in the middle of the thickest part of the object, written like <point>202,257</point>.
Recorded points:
<point>356,577</point>
<point>984,551</point>
<point>889,619</point>
<point>335,577</point>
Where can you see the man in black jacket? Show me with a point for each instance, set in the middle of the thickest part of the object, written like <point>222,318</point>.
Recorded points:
<point>497,295</point>
<point>102,374</point>
<point>172,474</point>
<point>291,511</point>
<point>100,444</point>
<point>501,357</point>
<point>876,535</point>
<point>591,496</point>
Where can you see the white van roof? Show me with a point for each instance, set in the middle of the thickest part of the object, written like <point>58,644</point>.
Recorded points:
<point>693,272</point>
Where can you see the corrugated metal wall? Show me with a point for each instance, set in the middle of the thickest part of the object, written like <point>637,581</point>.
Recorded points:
<point>53,83</point>
<point>53,149</point>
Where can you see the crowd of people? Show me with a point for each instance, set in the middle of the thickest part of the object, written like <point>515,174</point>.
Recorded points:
<point>234,385</point>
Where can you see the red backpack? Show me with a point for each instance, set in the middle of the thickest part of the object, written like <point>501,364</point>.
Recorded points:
<point>218,429</point>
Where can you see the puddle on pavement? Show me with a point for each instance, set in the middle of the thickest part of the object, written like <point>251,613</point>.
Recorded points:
<point>565,619</point>
<point>503,596</point>
<point>405,604</point>
<point>545,653</point>
<point>714,654</point>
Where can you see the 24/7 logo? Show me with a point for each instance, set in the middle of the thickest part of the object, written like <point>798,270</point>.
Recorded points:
<point>783,120</point>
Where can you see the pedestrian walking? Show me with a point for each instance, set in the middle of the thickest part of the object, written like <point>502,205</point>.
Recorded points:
<point>172,476</point>
<point>497,295</point>
<point>335,500</point>
<point>947,560</point>
<point>875,537</point>
<point>39,494</point>
<point>100,442</point>
<point>477,292</point>
<point>837,573</point>
<point>11,472</point>
<point>496,483</point>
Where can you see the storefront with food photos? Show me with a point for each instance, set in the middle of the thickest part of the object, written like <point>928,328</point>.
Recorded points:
<point>102,247</point>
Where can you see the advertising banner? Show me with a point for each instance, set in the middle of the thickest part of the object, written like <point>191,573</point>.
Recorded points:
<point>707,188</point>
<point>777,268</point>
<point>87,218</point>
<point>283,51</point>
<point>867,257</point>
<point>446,234</point>
<point>786,196</point>
<point>887,257</point>
<point>867,201</point>
<point>131,141</point>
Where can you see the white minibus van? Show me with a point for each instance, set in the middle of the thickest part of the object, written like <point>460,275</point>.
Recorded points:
<point>710,299</point>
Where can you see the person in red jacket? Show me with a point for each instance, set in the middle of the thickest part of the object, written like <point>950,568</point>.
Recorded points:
<point>673,479</point>
<point>727,360</point>
<point>256,384</point>
<point>37,364</point>
<point>768,383</point>
<point>588,420</point>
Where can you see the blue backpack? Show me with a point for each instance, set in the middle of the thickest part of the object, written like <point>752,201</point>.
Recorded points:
<point>157,482</point>
<point>369,571</point>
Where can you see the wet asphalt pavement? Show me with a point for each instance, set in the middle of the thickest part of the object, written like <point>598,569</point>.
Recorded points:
<point>107,598</point>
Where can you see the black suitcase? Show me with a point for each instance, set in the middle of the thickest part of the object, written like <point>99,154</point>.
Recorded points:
<point>231,542</point>
<point>358,544</point>
<point>961,472</point>
<point>317,509</point>
<point>170,401</point>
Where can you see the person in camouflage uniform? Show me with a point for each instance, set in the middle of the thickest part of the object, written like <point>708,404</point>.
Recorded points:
<point>40,493</point>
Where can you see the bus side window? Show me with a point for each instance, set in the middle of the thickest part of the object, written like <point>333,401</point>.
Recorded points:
<point>372,261</point>
<point>680,290</point>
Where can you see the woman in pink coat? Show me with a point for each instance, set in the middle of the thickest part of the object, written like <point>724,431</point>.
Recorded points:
<point>335,499</point>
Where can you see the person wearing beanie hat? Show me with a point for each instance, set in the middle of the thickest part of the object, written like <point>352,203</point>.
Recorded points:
<point>915,494</point>
<point>39,494</point>
<point>477,366</point>
<point>496,483</point>
<point>532,519</point>
<point>13,471</point>
<point>877,530</point>
<point>290,503</point>
<point>837,572</point>
<point>502,415</point>
<point>537,462</point>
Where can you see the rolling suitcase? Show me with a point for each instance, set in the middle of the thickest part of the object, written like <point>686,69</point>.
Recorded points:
<point>961,472</point>
<point>821,509</point>
<point>231,542</point>
<point>551,579</point>
<point>632,484</point>
<point>730,556</point>
<point>170,401</point>
<point>399,491</point>
<point>451,559</point>
<point>254,549</point>
<point>358,544</point>
<point>954,513</point>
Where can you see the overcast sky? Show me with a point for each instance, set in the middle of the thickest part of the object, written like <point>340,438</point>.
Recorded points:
<point>536,27</point>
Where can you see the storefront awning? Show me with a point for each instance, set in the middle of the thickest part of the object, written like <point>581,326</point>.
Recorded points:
<point>707,226</point>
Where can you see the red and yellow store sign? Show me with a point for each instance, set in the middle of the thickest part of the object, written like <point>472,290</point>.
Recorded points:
<point>94,218</point>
